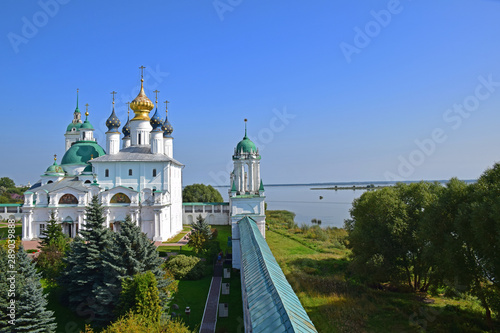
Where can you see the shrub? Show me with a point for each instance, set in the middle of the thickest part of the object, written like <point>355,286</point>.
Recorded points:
<point>186,267</point>
<point>212,249</point>
<point>215,233</point>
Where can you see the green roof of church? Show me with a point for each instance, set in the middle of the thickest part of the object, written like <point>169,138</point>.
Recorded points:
<point>73,125</point>
<point>81,152</point>
<point>54,168</point>
<point>87,125</point>
<point>269,299</point>
<point>246,145</point>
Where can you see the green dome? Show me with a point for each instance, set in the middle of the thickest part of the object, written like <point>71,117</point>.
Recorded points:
<point>73,125</point>
<point>81,152</point>
<point>54,168</point>
<point>87,125</point>
<point>246,145</point>
<point>88,169</point>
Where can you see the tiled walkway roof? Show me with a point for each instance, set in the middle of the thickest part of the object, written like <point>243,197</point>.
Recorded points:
<point>268,298</point>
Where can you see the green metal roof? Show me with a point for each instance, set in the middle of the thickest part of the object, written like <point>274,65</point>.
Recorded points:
<point>204,203</point>
<point>10,205</point>
<point>246,145</point>
<point>269,299</point>
<point>75,125</point>
<point>81,152</point>
<point>86,125</point>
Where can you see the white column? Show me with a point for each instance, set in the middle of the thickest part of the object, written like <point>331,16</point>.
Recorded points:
<point>250,177</point>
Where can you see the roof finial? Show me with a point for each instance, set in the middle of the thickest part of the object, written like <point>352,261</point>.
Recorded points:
<point>77,110</point>
<point>156,93</point>
<point>142,73</point>
<point>113,93</point>
<point>87,110</point>
<point>246,127</point>
<point>166,106</point>
<point>55,157</point>
<point>128,111</point>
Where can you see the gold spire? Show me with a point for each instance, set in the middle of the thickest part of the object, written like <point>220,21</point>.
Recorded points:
<point>141,105</point>
<point>87,109</point>
<point>55,157</point>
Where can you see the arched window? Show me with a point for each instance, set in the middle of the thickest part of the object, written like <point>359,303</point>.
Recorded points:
<point>68,199</point>
<point>130,172</point>
<point>120,198</point>
<point>50,182</point>
<point>106,173</point>
<point>88,181</point>
<point>139,140</point>
<point>154,172</point>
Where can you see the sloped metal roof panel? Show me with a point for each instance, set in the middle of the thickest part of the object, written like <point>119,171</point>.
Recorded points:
<point>272,304</point>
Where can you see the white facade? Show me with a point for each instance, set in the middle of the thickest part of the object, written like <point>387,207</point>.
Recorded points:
<point>138,180</point>
<point>246,197</point>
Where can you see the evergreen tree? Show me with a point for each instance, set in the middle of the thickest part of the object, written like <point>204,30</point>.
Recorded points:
<point>31,313</point>
<point>84,275</point>
<point>53,234</point>
<point>132,253</point>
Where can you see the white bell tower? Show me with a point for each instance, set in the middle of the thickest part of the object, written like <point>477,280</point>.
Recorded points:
<point>246,197</point>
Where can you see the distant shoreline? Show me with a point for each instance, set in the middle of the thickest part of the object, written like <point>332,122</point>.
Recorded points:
<point>359,185</point>
<point>353,188</point>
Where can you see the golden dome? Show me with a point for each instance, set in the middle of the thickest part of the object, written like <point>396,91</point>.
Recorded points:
<point>141,105</point>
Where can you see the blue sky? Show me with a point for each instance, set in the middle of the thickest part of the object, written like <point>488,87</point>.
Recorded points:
<point>333,90</point>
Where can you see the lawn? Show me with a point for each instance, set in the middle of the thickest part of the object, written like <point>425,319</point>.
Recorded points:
<point>179,236</point>
<point>193,294</point>
<point>234,321</point>
<point>318,272</point>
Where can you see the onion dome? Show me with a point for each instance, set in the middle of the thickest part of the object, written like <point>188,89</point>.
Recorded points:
<point>126,128</point>
<point>156,121</point>
<point>113,123</point>
<point>167,127</point>
<point>141,105</point>
<point>54,169</point>
<point>246,145</point>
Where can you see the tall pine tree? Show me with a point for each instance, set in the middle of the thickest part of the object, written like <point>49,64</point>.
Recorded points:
<point>133,253</point>
<point>31,312</point>
<point>84,275</point>
<point>53,234</point>
<point>4,289</point>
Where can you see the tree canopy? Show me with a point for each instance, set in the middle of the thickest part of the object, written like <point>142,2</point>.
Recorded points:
<point>7,182</point>
<point>427,235</point>
<point>201,193</point>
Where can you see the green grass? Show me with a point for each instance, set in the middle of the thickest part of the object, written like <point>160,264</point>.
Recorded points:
<point>193,294</point>
<point>224,231</point>
<point>179,236</point>
<point>317,270</point>
<point>234,322</point>
<point>66,320</point>
<point>4,231</point>
<point>186,250</point>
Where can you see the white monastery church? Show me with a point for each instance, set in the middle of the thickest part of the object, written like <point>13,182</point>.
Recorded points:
<point>137,175</point>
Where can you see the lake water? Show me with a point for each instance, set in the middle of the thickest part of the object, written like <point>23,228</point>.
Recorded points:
<point>332,209</point>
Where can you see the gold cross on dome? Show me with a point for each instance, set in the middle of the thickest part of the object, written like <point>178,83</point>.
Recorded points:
<point>156,93</point>
<point>142,71</point>
<point>113,93</point>
<point>166,105</point>
<point>87,109</point>
<point>128,106</point>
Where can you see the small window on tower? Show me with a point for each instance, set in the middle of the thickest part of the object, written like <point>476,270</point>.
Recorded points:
<point>106,173</point>
<point>139,141</point>
<point>154,172</point>
<point>130,172</point>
